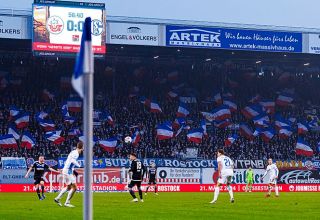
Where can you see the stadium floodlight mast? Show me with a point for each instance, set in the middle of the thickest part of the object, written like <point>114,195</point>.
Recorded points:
<point>82,82</point>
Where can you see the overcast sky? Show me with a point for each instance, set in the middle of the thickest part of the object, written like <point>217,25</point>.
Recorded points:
<point>290,13</point>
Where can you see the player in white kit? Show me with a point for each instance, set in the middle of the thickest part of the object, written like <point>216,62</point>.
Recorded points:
<point>225,170</point>
<point>69,175</point>
<point>273,172</point>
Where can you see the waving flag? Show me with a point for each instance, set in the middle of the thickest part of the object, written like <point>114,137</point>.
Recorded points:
<point>313,123</point>
<point>22,120</point>
<point>84,62</point>
<point>281,122</point>
<point>222,124</point>
<point>251,111</point>
<point>27,140</point>
<point>195,135</point>
<point>204,127</point>
<point>105,116</point>
<point>8,141</point>
<point>154,107</point>
<point>255,99</point>
<point>178,131</point>
<point>268,106</point>
<point>284,99</point>
<point>74,132</point>
<point>109,145</point>
<point>47,95</point>
<point>246,132</point>
<point>14,111</point>
<point>230,140</point>
<point>261,120</point>
<point>227,94</point>
<point>221,113</point>
<point>302,148</point>
<point>208,115</point>
<point>172,94</point>
<point>302,128</point>
<point>145,101</point>
<point>217,98</point>
<point>257,132</point>
<point>136,137</point>
<point>267,134</point>
<point>164,132</point>
<point>69,119</point>
<point>179,122</point>
<point>182,110</point>
<point>74,104</point>
<point>48,125</point>
<point>285,132</point>
<point>14,132</point>
<point>55,137</point>
<point>41,115</point>
<point>64,109</point>
<point>231,104</point>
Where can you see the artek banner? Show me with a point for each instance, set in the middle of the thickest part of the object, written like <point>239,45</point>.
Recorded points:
<point>167,188</point>
<point>234,39</point>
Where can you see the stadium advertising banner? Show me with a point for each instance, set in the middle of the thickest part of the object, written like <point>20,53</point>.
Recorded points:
<point>166,188</point>
<point>210,176</point>
<point>314,43</point>
<point>299,177</point>
<point>160,162</point>
<point>14,27</point>
<point>221,38</point>
<point>134,34</point>
<point>57,27</point>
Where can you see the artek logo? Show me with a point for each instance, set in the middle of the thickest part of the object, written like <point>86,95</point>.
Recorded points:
<point>55,25</point>
<point>195,37</point>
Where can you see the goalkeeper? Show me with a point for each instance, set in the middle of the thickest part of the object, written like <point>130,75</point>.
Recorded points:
<point>249,179</point>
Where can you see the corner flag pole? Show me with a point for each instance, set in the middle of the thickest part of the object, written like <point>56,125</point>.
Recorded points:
<point>88,137</point>
<point>82,82</point>
<point>88,126</point>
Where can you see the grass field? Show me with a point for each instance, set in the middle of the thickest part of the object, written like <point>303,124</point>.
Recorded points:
<point>25,206</point>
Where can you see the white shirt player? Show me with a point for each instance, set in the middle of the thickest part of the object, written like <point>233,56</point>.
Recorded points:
<point>226,165</point>
<point>273,172</point>
<point>71,162</point>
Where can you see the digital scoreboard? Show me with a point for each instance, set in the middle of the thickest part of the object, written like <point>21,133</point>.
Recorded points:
<point>57,27</point>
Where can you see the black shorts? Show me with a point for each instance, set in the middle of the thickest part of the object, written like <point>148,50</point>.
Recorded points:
<point>37,180</point>
<point>134,183</point>
<point>152,181</point>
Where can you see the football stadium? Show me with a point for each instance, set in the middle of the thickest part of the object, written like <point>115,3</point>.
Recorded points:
<point>159,110</point>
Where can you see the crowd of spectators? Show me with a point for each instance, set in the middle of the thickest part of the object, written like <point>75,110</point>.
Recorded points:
<point>118,88</point>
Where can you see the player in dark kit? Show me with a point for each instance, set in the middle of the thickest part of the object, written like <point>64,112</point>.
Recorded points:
<point>136,173</point>
<point>152,174</point>
<point>39,169</point>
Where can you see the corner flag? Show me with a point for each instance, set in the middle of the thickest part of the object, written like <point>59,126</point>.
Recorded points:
<point>84,62</point>
<point>82,82</point>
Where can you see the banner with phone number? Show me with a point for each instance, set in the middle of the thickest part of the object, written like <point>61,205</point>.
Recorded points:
<point>167,188</point>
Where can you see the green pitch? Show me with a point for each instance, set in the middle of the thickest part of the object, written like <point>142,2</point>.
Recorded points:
<point>26,206</point>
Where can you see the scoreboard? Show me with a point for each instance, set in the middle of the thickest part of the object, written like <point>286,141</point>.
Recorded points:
<point>57,27</point>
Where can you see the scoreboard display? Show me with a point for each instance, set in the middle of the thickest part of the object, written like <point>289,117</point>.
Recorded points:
<point>57,27</point>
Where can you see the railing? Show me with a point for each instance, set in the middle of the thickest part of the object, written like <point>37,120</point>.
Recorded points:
<point>15,12</point>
